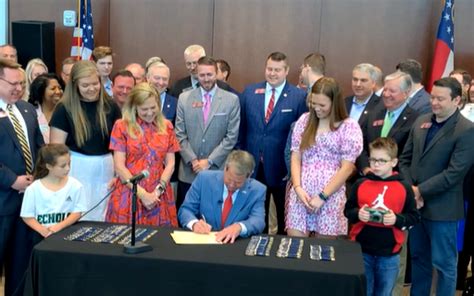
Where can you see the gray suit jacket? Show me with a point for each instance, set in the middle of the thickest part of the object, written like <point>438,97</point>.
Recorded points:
<point>439,170</point>
<point>421,102</point>
<point>213,141</point>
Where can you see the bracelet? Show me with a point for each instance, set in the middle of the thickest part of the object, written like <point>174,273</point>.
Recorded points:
<point>163,182</point>
<point>160,188</point>
<point>323,196</point>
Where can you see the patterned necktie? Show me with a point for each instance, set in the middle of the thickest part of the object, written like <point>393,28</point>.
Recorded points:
<point>387,124</point>
<point>206,107</point>
<point>227,208</point>
<point>271,104</point>
<point>20,134</point>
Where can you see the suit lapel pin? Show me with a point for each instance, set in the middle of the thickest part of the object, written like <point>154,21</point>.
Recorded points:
<point>167,106</point>
<point>404,118</point>
<point>285,95</point>
<point>260,91</point>
<point>426,125</point>
<point>378,122</point>
<point>26,111</point>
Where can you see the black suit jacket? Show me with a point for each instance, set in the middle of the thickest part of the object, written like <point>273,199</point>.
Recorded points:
<point>371,105</point>
<point>373,127</point>
<point>185,84</point>
<point>12,162</point>
<point>439,170</point>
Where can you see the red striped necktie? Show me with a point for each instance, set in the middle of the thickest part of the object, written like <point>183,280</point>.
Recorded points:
<point>270,107</point>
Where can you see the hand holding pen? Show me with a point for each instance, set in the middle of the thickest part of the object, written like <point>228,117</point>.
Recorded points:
<point>201,226</point>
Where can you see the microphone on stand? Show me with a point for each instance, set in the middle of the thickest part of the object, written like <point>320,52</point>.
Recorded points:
<point>142,175</point>
<point>139,247</point>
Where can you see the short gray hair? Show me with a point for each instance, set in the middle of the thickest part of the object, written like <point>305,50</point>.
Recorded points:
<point>195,48</point>
<point>241,161</point>
<point>405,80</point>
<point>367,68</point>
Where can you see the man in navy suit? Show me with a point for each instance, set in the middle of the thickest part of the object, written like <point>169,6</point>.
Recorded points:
<point>15,175</point>
<point>158,75</point>
<point>123,82</point>
<point>267,111</point>
<point>226,201</point>
<point>435,160</point>
<point>419,99</point>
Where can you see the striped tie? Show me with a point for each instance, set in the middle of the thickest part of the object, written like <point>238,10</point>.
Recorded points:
<point>20,134</point>
<point>270,107</point>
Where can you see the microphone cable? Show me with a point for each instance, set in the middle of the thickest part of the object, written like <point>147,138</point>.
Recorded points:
<point>100,201</point>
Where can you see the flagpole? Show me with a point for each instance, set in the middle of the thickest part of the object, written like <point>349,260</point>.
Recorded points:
<point>78,25</point>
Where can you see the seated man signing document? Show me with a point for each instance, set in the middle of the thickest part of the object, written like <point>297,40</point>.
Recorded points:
<point>226,201</point>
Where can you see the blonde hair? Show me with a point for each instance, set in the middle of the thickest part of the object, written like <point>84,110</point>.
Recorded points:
<point>72,103</point>
<point>139,94</point>
<point>29,71</point>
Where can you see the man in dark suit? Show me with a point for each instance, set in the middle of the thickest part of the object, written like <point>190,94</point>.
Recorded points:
<point>18,124</point>
<point>419,99</point>
<point>393,118</point>
<point>435,160</point>
<point>123,82</point>
<point>363,101</point>
<point>191,55</point>
<point>158,75</point>
<point>227,201</point>
<point>267,111</point>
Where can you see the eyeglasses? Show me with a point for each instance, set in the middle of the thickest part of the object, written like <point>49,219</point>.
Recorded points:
<point>378,161</point>
<point>14,84</point>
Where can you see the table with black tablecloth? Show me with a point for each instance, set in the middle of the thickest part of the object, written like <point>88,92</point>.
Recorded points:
<point>61,267</point>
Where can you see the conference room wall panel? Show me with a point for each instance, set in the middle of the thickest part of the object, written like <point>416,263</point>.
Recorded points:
<point>348,32</point>
<point>378,32</point>
<point>246,32</point>
<point>464,35</point>
<point>141,29</point>
<point>52,10</point>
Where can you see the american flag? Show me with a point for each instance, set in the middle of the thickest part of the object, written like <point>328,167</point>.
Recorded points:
<point>443,61</point>
<point>83,36</point>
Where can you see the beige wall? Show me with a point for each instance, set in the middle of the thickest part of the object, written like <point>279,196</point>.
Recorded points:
<point>244,32</point>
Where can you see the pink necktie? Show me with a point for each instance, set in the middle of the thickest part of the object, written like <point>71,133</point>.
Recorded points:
<point>206,107</point>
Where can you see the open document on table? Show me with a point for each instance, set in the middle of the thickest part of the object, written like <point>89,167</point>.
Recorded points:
<point>191,238</point>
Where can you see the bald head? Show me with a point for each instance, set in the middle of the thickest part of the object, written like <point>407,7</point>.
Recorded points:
<point>137,70</point>
<point>8,52</point>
